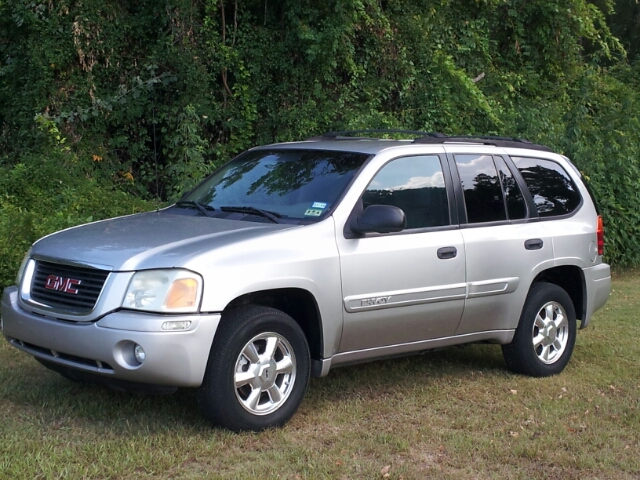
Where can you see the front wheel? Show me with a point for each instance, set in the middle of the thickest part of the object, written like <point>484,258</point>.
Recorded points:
<point>545,337</point>
<point>258,370</point>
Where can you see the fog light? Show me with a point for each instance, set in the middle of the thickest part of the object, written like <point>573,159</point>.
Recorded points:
<point>176,325</point>
<point>138,352</point>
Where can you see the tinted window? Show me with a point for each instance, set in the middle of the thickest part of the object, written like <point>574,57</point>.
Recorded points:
<point>516,207</point>
<point>550,185</point>
<point>414,184</point>
<point>296,184</point>
<point>482,191</point>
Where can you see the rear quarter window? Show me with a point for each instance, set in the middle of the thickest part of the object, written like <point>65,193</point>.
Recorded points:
<point>551,187</point>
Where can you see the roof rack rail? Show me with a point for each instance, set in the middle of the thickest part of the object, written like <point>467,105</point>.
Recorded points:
<point>350,134</point>
<point>483,140</point>
<point>436,138</point>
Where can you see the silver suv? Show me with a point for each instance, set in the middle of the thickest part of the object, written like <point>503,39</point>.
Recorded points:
<point>294,258</point>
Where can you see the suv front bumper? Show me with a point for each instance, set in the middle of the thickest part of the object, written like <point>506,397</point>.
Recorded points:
<point>106,347</point>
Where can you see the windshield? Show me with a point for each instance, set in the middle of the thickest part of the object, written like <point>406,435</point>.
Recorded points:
<point>290,185</point>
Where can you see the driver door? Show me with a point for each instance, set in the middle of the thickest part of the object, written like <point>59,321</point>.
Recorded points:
<point>408,286</point>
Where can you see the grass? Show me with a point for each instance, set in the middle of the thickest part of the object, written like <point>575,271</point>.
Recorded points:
<point>456,413</point>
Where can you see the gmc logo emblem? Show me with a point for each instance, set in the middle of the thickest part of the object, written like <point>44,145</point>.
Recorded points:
<point>66,285</point>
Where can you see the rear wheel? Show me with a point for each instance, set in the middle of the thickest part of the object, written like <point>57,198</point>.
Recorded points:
<point>545,337</point>
<point>258,370</point>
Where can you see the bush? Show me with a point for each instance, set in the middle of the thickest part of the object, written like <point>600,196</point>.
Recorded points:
<point>153,95</point>
<point>47,193</point>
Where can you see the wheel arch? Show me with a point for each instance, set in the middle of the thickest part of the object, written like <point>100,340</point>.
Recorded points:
<point>298,303</point>
<point>571,279</point>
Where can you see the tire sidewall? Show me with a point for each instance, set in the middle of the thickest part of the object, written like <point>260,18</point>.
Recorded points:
<point>219,386</point>
<point>520,354</point>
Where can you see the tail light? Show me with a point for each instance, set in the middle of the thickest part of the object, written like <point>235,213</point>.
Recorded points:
<point>600,235</point>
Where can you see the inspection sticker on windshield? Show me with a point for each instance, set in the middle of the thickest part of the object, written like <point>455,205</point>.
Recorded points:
<point>313,212</point>
<point>321,205</point>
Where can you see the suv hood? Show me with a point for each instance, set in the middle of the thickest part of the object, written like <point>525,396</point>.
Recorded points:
<point>146,240</point>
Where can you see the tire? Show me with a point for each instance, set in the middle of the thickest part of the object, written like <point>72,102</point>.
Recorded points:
<point>258,370</point>
<point>546,334</point>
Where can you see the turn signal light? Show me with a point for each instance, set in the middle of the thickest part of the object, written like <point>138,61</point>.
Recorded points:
<point>183,293</point>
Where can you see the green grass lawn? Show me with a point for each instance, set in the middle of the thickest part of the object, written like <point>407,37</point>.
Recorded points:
<point>456,413</point>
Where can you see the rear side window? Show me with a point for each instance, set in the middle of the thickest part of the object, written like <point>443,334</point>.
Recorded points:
<point>482,190</point>
<point>417,186</point>
<point>551,187</point>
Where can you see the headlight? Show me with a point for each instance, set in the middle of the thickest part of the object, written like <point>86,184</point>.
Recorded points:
<point>169,291</point>
<point>22,267</point>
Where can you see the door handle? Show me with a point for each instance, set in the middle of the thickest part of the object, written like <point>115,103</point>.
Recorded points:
<point>447,252</point>
<point>534,244</point>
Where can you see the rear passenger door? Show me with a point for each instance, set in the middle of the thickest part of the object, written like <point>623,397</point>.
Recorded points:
<point>505,242</point>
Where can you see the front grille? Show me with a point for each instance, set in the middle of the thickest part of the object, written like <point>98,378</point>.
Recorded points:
<point>67,288</point>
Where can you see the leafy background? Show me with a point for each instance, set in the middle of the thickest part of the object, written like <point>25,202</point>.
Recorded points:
<point>111,107</point>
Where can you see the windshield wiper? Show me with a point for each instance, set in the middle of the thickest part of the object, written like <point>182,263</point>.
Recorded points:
<point>273,216</point>
<point>203,209</point>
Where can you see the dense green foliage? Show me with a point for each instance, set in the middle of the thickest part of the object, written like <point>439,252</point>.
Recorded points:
<point>45,193</point>
<point>149,96</point>
<point>625,24</point>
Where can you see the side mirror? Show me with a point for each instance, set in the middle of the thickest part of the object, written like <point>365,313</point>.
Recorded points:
<point>379,219</point>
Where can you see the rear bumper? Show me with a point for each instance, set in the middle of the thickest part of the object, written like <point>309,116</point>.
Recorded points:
<point>105,347</point>
<point>598,285</point>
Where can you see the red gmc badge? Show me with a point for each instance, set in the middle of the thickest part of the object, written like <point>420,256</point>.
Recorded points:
<point>62,284</point>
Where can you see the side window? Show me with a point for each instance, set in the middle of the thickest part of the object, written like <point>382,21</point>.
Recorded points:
<point>482,191</point>
<point>516,207</point>
<point>553,191</point>
<point>414,184</point>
